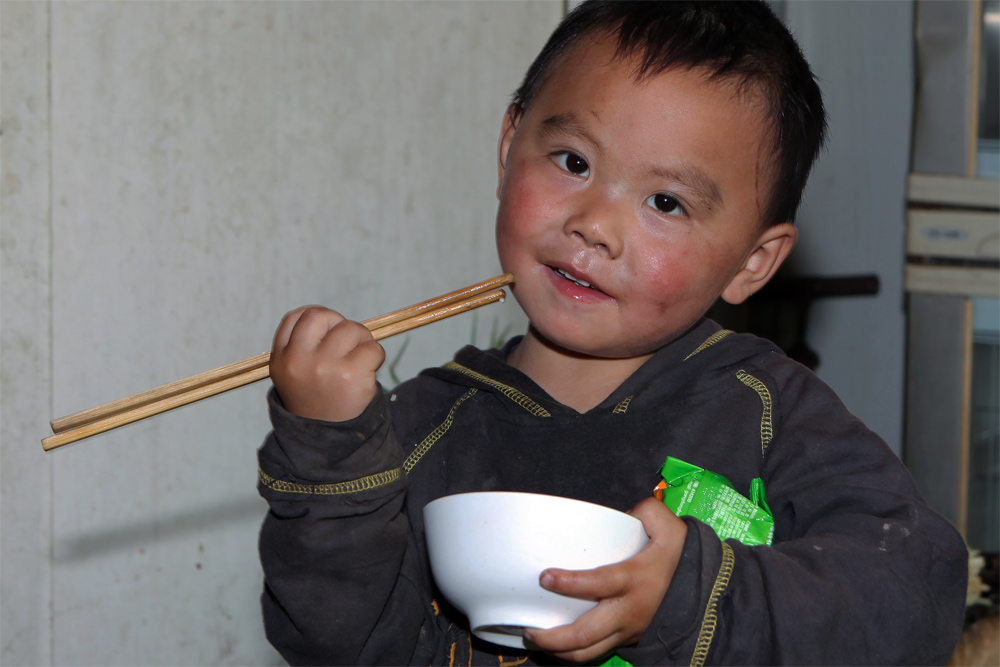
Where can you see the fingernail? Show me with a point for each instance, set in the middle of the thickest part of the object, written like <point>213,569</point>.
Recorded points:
<point>546,579</point>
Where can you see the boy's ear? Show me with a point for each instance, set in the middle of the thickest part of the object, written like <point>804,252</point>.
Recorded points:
<point>507,129</point>
<point>760,266</point>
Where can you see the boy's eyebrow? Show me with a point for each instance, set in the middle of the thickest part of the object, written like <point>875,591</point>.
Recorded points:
<point>701,185</point>
<point>567,123</point>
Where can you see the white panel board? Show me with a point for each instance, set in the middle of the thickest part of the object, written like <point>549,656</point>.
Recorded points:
<point>25,480</point>
<point>969,235</point>
<point>215,165</point>
<point>853,215</point>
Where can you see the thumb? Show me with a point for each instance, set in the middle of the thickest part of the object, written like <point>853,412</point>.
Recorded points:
<point>657,519</point>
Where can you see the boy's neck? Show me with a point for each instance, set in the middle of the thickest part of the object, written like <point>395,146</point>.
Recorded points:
<point>577,381</point>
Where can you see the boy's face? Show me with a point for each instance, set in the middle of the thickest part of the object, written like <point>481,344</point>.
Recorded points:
<point>627,208</point>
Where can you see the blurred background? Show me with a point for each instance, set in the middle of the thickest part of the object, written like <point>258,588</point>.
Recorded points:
<point>178,175</point>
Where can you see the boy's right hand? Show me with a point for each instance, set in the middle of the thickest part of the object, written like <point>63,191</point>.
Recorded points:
<point>323,365</point>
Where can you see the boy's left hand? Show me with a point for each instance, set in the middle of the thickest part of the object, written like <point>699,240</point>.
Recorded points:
<point>629,592</point>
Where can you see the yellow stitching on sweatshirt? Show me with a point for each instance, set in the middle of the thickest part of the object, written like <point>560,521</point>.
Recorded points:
<point>509,392</point>
<point>512,663</point>
<point>333,489</point>
<point>710,621</point>
<point>710,341</point>
<point>436,434</point>
<point>623,406</point>
<point>451,661</point>
<point>766,422</point>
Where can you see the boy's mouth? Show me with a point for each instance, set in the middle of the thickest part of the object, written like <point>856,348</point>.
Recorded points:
<point>573,279</point>
<point>575,287</point>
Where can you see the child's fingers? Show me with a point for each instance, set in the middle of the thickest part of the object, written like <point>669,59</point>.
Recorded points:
<point>339,339</point>
<point>598,631</point>
<point>591,636</point>
<point>324,335</point>
<point>323,366</point>
<point>302,329</point>
<point>630,592</point>
<point>313,326</point>
<point>285,327</point>
<point>613,580</point>
<point>331,355</point>
<point>358,355</point>
<point>657,519</point>
<point>597,584</point>
<point>366,356</point>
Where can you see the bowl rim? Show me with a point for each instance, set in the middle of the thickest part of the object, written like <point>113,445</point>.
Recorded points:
<point>544,497</point>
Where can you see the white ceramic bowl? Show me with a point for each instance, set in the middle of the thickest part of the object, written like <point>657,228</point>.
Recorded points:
<point>488,549</point>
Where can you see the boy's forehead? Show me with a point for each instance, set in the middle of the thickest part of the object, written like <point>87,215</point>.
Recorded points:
<point>571,68</point>
<point>574,73</point>
<point>593,51</point>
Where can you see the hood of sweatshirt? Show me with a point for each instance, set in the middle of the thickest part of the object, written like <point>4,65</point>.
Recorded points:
<point>485,425</point>
<point>703,351</point>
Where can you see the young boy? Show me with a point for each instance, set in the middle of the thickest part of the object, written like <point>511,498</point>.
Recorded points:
<point>651,162</point>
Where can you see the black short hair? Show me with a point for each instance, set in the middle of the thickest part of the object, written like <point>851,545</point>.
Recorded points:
<point>739,42</point>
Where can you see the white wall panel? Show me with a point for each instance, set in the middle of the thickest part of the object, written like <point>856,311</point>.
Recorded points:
<point>853,214</point>
<point>214,165</point>
<point>25,473</point>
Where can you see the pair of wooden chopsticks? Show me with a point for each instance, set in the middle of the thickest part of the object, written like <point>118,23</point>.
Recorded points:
<point>182,392</point>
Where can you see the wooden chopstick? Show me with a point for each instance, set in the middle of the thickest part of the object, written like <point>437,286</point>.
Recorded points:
<point>249,376</point>
<point>159,393</point>
<point>260,361</point>
<point>182,392</point>
<point>437,302</point>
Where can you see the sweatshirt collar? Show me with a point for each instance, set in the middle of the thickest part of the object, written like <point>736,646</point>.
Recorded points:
<point>489,371</point>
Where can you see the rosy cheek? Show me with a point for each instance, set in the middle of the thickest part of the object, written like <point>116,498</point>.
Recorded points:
<point>514,224</point>
<point>667,280</point>
<point>523,209</point>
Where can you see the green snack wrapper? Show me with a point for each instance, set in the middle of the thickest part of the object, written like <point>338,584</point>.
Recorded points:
<point>692,491</point>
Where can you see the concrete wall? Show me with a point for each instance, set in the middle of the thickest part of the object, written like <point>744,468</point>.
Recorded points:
<point>176,176</point>
<point>852,218</point>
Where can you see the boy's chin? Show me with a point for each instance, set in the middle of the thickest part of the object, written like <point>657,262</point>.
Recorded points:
<point>588,348</point>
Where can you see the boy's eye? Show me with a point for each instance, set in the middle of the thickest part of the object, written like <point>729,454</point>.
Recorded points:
<point>665,203</point>
<point>572,163</point>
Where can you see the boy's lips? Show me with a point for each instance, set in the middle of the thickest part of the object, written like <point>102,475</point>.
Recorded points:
<point>578,286</point>
<point>568,276</point>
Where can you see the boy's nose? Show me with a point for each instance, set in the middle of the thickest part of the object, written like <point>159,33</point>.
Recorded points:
<point>598,224</point>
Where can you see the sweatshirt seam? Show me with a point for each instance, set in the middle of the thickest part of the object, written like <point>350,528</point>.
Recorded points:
<point>435,435</point>
<point>767,407</point>
<point>518,397</point>
<point>366,483</point>
<point>710,620</point>
<point>709,342</point>
<point>622,406</point>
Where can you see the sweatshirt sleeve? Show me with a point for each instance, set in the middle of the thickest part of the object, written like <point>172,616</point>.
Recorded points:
<point>861,571</point>
<point>335,539</point>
